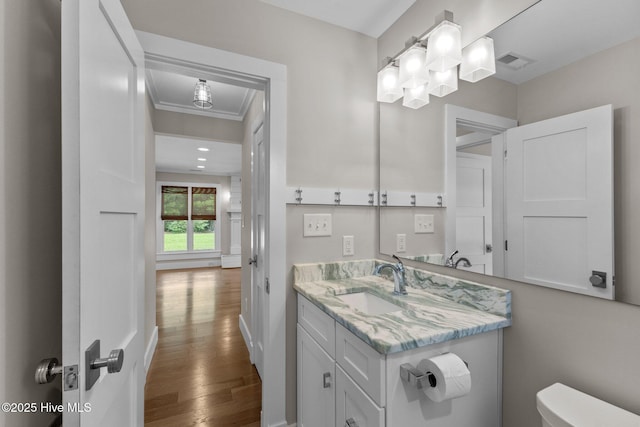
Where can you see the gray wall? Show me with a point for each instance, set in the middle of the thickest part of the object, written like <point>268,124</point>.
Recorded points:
<point>30,202</point>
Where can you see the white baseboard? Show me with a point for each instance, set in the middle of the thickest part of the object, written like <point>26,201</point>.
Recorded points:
<point>151,350</point>
<point>246,334</point>
<point>182,264</point>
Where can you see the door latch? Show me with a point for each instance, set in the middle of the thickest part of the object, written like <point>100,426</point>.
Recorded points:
<point>48,370</point>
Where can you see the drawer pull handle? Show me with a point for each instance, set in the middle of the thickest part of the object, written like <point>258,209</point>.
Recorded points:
<point>351,423</point>
<point>326,379</point>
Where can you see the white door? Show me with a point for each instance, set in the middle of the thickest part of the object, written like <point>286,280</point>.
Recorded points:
<point>258,209</point>
<point>103,210</point>
<point>473,211</point>
<point>559,188</point>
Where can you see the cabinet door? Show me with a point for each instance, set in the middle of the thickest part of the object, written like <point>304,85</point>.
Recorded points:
<point>316,376</point>
<point>353,406</point>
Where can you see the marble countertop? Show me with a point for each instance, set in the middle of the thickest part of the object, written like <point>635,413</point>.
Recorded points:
<point>437,309</point>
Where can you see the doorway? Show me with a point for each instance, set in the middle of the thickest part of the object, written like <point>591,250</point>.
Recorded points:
<point>171,54</point>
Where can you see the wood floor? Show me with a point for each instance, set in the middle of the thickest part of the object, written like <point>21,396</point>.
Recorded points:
<point>201,374</point>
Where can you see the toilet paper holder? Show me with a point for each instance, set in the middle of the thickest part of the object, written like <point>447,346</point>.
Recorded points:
<point>417,378</point>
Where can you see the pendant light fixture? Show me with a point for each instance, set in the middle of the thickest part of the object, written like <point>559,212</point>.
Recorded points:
<point>202,95</point>
<point>416,72</point>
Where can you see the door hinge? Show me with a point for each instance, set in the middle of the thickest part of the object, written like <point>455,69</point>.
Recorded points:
<point>267,285</point>
<point>506,245</point>
<point>505,154</point>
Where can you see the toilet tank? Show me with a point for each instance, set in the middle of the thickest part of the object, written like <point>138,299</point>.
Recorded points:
<point>562,406</point>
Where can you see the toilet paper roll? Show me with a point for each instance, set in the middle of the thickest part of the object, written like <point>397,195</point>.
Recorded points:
<point>453,379</point>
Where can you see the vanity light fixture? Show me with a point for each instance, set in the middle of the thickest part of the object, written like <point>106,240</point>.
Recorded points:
<point>202,95</point>
<point>443,82</point>
<point>389,89</point>
<point>445,47</point>
<point>434,70</point>
<point>413,69</point>
<point>478,60</point>
<point>416,97</point>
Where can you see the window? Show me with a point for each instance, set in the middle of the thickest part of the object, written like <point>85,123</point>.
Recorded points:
<point>188,215</point>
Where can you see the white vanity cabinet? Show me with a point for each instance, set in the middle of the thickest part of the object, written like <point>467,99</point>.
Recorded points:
<point>342,381</point>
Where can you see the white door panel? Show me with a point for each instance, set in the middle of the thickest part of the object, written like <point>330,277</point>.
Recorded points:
<point>559,214</point>
<point>474,211</point>
<point>103,208</point>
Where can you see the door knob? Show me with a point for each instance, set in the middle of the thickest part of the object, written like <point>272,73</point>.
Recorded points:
<point>47,370</point>
<point>113,363</point>
<point>94,363</point>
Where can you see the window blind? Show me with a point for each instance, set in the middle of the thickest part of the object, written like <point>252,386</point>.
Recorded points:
<point>203,203</point>
<point>174,203</point>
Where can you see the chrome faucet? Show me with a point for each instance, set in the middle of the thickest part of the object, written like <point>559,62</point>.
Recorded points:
<point>454,264</point>
<point>449,262</point>
<point>465,262</point>
<point>399,284</point>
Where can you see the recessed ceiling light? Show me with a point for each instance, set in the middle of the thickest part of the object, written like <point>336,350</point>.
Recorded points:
<point>200,167</point>
<point>202,159</point>
<point>203,149</point>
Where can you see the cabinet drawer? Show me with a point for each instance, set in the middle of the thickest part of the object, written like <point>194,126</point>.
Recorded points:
<point>365,365</point>
<point>353,403</point>
<point>318,324</point>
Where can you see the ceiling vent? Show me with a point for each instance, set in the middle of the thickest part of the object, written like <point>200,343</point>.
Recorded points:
<point>513,60</point>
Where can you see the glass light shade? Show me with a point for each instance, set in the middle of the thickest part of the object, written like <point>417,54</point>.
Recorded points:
<point>478,60</point>
<point>444,47</point>
<point>413,68</point>
<point>389,89</point>
<point>416,97</point>
<point>202,95</point>
<point>443,83</point>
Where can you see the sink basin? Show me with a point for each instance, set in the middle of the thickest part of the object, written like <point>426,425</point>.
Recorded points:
<point>368,303</point>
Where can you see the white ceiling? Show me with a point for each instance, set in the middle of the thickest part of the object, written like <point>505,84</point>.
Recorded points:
<point>558,32</point>
<point>370,17</point>
<point>180,155</point>
<point>174,92</point>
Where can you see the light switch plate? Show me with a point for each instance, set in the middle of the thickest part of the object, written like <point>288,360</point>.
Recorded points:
<point>401,242</point>
<point>423,223</point>
<point>348,246</point>
<point>316,225</point>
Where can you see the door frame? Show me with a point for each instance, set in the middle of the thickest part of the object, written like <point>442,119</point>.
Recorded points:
<point>271,77</point>
<point>489,123</point>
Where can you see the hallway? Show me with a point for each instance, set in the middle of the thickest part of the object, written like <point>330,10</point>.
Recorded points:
<point>201,374</point>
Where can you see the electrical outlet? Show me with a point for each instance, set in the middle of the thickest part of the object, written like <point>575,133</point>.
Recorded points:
<point>316,225</point>
<point>423,223</point>
<point>348,246</point>
<point>401,242</point>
